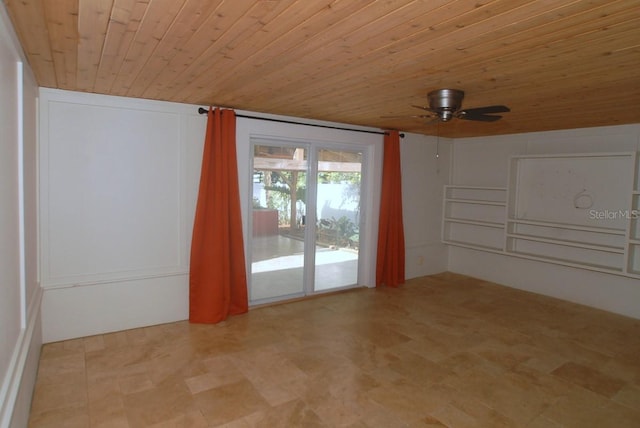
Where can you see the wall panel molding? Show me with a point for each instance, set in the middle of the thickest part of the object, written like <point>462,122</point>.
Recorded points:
<point>113,204</point>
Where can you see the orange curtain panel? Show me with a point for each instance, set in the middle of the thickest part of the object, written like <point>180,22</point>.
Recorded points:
<point>390,261</point>
<point>217,276</point>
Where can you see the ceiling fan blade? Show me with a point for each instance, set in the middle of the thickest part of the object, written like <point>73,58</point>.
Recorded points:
<point>485,110</point>
<point>478,117</point>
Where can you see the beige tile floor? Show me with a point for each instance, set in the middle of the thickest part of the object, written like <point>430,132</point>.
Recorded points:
<point>444,350</point>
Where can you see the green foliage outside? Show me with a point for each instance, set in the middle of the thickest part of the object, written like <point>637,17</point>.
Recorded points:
<point>340,232</point>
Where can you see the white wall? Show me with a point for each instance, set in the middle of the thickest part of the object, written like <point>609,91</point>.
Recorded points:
<point>425,171</point>
<point>484,162</point>
<point>20,335</point>
<point>118,182</point>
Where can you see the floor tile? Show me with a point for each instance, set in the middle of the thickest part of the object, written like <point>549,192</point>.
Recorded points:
<point>589,378</point>
<point>441,351</point>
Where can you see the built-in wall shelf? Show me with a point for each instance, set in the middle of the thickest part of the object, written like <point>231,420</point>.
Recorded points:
<point>478,202</point>
<point>474,216</point>
<point>578,210</point>
<point>496,225</point>
<point>569,243</point>
<point>606,230</point>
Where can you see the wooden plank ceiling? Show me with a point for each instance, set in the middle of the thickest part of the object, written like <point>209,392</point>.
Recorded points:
<point>557,64</point>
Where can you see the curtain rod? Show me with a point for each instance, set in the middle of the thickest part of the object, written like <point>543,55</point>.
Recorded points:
<point>205,111</point>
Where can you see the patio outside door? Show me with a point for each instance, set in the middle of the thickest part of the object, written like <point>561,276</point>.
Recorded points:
<point>305,220</point>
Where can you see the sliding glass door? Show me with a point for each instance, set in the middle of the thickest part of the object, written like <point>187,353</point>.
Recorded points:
<point>305,219</point>
<point>278,233</point>
<point>337,236</point>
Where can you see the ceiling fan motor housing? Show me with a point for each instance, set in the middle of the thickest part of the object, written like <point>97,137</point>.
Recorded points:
<point>445,102</point>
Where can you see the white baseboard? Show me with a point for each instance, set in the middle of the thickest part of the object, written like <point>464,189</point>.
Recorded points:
<point>17,388</point>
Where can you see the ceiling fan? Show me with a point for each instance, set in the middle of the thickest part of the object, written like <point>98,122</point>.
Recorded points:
<point>444,105</point>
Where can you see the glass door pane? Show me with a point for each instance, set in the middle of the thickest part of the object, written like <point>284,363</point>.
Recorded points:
<point>279,200</point>
<point>337,218</point>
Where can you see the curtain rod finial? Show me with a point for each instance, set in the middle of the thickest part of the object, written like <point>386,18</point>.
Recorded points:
<point>202,110</point>
<point>400,134</point>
